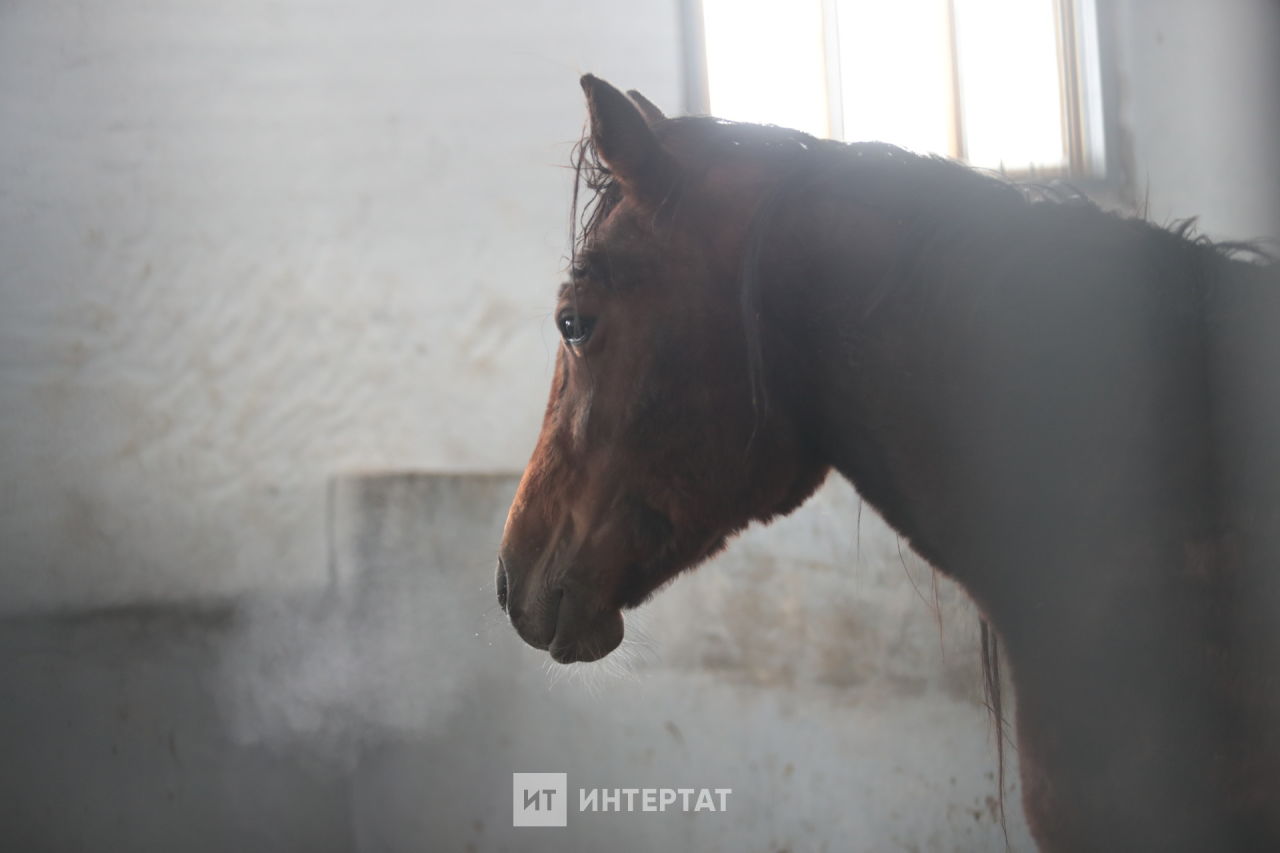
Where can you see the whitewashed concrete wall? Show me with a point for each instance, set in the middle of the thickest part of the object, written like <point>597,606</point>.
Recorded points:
<point>247,245</point>
<point>1199,103</point>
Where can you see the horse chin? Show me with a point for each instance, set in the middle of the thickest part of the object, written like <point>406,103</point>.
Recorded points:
<point>585,632</point>
<point>583,637</point>
<point>650,577</point>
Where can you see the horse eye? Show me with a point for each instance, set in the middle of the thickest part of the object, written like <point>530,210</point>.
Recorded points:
<point>575,328</point>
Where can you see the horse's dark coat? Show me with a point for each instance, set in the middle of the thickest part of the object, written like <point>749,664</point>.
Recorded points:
<point>1073,414</point>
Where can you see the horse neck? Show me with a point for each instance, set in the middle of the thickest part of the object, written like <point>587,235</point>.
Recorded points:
<point>933,391</point>
<point>1033,404</point>
<point>869,347</point>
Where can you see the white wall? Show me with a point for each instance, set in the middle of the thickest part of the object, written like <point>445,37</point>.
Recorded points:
<point>1199,108</point>
<point>246,245</point>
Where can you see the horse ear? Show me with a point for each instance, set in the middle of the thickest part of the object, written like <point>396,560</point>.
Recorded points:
<point>648,108</point>
<point>625,143</point>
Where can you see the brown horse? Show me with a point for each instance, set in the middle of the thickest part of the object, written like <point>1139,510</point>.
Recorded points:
<point>1073,414</point>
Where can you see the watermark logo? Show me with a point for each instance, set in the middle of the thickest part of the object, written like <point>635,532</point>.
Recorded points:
<point>542,799</point>
<point>539,799</point>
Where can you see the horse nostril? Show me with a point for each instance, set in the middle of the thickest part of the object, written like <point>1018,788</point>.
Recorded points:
<point>502,585</point>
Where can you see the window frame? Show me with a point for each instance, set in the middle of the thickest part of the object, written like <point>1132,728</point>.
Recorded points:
<point>1086,77</point>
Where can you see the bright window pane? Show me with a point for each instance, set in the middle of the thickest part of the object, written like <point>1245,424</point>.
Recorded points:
<point>1007,53</point>
<point>979,79</point>
<point>765,62</point>
<point>895,73</point>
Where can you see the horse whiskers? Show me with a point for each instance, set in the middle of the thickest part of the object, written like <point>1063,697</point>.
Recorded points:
<point>623,663</point>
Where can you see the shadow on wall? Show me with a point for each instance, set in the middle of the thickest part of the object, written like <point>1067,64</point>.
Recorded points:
<point>819,673</point>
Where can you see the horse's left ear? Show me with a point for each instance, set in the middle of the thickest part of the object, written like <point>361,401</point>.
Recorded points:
<point>624,141</point>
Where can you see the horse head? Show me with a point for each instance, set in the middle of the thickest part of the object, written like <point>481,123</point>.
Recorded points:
<point>665,432</point>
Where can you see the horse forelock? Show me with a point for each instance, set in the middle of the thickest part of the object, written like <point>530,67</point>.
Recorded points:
<point>596,192</point>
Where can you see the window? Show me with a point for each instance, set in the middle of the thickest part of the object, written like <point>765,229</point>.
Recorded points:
<point>1011,85</point>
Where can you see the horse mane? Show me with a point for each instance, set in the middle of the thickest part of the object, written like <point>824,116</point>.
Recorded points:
<point>874,170</point>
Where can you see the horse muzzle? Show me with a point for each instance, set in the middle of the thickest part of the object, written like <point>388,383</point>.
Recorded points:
<point>558,619</point>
